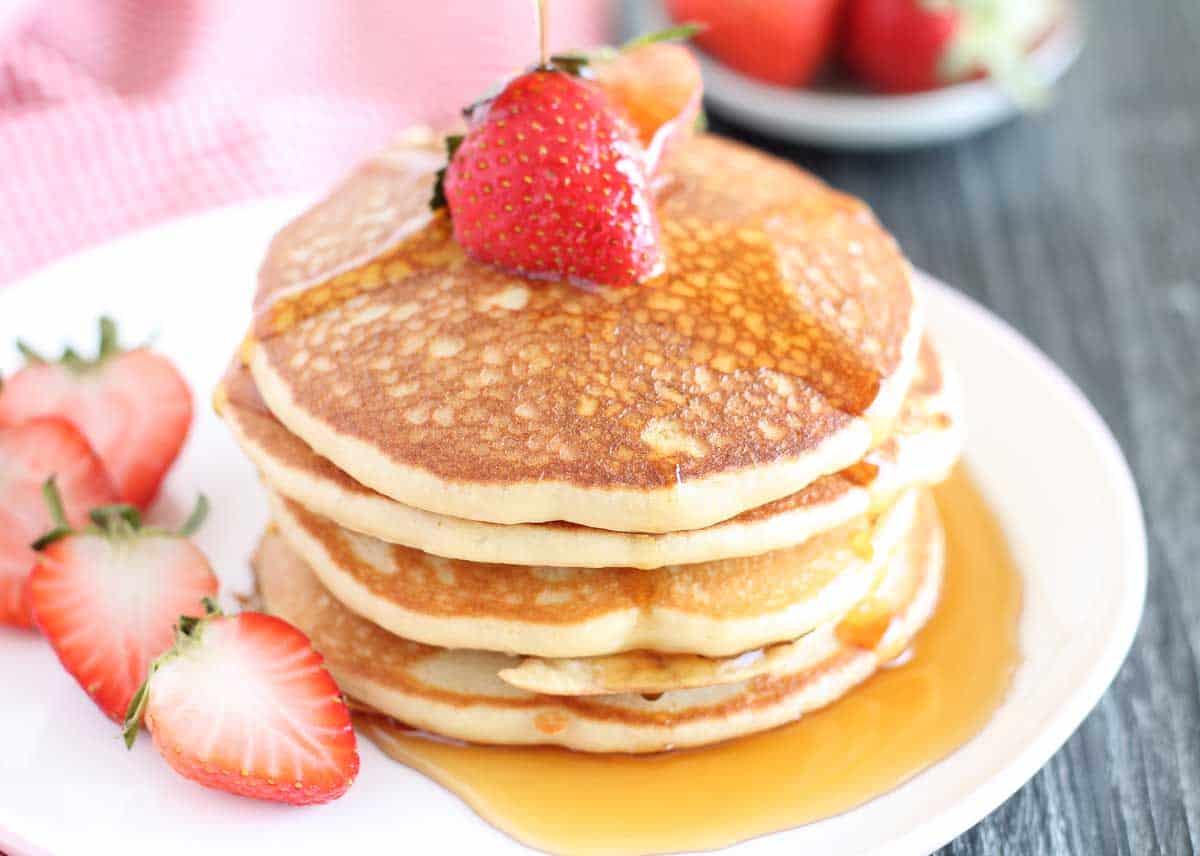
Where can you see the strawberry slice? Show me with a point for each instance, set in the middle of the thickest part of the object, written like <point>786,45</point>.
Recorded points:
<point>106,596</point>
<point>29,454</point>
<point>657,86</point>
<point>244,704</point>
<point>131,405</point>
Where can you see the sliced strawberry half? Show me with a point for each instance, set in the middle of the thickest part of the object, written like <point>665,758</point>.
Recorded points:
<point>106,597</point>
<point>244,704</point>
<point>657,86</point>
<point>132,406</point>
<point>30,454</point>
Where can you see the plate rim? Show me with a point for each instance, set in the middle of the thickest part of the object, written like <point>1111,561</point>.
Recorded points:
<point>1056,730</point>
<point>1062,725</point>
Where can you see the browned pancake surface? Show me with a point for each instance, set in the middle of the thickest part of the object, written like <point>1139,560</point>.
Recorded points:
<point>265,431</point>
<point>783,309</point>
<point>358,649</point>
<point>727,589</point>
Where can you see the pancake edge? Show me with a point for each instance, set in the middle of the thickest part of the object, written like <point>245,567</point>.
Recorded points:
<point>590,727</point>
<point>687,505</point>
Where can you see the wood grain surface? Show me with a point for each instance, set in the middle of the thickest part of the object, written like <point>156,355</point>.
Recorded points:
<point>1081,226</point>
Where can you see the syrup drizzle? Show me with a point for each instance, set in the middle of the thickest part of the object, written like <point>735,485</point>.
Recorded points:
<point>934,697</point>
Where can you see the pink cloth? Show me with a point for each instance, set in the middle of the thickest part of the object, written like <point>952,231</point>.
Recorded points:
<point>115,114</point>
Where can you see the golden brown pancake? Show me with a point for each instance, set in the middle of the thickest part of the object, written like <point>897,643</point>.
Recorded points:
<point>777,347</point>
<point>457,693</point>
<point>925,440</point>
<point>713,608</point>
<point>868,623</point>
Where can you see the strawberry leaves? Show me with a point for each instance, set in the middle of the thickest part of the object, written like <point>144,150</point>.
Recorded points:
<point>120,520</point>
<point>453,141</point>
<point>109,346</point>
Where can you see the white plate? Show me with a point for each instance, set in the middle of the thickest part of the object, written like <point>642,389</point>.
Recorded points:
<point>1044,458</point>
<point>860,121</point>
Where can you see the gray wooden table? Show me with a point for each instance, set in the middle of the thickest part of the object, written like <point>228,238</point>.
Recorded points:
<point>1082,228</point>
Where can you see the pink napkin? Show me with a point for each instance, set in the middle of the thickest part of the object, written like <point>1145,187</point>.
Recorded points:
<point>116,114</point>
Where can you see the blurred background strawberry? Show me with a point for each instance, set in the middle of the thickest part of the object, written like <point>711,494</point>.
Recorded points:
<point>900,46</point>
<point>778,41</point>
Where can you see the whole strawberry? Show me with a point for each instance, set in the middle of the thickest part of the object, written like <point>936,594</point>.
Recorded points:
<point>550,181</point>
<point>106,596</point>
<point>132,406</point>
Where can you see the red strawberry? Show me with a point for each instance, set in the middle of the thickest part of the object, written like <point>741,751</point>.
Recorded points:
<point>900,46</point>
<point>243,704</point>
<point>779,41</point>
<point>133,407</point>
<point>107,596</point>
<point>657,86</point>
<point>30,454</point>
<point>551,182</point>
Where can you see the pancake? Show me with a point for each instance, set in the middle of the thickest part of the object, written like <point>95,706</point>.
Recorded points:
<point>868,623</point>
<point>776,348</point>
<point>925,441</point>
<point>458,694</point>
<point>712,608</point>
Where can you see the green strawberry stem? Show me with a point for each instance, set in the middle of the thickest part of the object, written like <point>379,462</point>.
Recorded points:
<point>187,633</point>
<point>196,519</point>
<point>574,62</point>
<point>28,354</point>
<point>112,521</point>
<point>438,200</point>
<point>58,516</point>
<point>109,346</point>
<point>133,715</point>
<point>120,519</point>
<point>109,343</point>
<point>678,33</point>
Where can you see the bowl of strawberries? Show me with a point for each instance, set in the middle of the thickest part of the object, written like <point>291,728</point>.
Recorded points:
<point>878,74</point>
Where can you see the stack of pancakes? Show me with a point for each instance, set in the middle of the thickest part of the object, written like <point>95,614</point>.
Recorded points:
<point>516,511</point>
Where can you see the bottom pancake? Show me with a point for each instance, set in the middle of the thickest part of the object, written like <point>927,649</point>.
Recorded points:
<point>458,693</point>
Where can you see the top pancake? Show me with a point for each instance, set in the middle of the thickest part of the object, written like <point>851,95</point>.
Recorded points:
<point>925,441</point>
<point>777,344</point>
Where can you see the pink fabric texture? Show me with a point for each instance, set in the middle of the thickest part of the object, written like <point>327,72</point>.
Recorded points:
<point>116,114</point>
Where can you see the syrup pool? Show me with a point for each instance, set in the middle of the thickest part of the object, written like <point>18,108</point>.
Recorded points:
<point>899,722</point>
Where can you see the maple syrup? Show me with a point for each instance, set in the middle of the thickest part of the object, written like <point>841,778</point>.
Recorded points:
<point>934,698</point>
